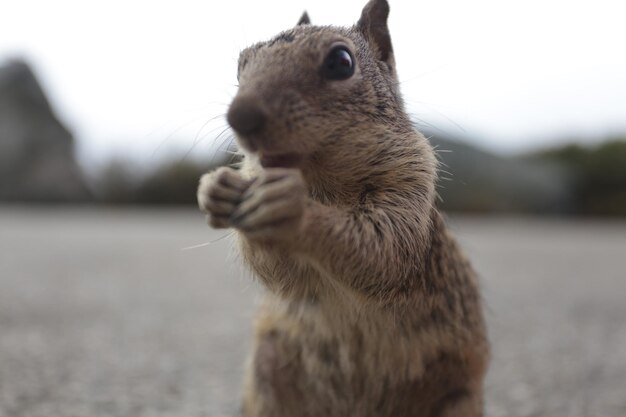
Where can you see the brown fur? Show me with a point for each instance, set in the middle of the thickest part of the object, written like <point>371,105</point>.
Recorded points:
<point>371,308</point>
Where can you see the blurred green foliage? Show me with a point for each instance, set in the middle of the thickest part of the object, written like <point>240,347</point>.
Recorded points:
<point>599,175</point>
<point>574,179</point>
<point>173,182</point>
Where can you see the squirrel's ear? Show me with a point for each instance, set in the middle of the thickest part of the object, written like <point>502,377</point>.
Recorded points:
<point>304,19</point>
<point>373,25</point>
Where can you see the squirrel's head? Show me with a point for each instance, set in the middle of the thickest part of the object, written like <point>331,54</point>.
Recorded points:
<point>311,87</point>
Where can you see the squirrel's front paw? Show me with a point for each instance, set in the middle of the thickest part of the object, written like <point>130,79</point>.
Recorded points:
<point>219,193</point>
<point>273,206</point>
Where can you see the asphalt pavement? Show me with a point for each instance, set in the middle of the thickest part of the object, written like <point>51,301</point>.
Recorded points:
<point>119,312</point>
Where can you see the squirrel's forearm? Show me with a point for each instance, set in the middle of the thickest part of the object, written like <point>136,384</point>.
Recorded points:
<point>374,251</point>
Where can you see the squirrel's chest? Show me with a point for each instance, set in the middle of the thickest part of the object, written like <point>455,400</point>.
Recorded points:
<point>279,270</point>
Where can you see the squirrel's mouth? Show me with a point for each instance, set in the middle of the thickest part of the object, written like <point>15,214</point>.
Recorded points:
<point>285,160</point>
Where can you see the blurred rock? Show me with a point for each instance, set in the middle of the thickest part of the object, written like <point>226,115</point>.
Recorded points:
<point>37,160</point>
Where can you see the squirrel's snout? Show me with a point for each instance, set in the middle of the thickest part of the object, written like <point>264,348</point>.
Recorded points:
<point>246,116</point>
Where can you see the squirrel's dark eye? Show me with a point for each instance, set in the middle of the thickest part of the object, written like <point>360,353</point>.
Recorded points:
<point>339,64</point>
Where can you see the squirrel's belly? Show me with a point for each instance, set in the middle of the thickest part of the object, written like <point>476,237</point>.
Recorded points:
<point>299,364</point>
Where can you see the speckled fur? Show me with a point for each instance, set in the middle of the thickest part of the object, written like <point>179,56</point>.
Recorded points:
<point>371,309</point>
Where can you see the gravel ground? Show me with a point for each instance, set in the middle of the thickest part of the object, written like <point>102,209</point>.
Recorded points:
<point>102,313</point>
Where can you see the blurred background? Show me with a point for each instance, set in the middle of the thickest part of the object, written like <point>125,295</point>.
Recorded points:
<point>116,299</point>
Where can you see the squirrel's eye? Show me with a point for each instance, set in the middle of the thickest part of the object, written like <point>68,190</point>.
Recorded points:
<point>339,64</point>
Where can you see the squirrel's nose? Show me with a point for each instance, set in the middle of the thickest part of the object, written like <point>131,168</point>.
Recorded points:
<point>246,116</point>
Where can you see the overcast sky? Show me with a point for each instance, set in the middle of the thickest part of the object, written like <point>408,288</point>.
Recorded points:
<point>141,78</point>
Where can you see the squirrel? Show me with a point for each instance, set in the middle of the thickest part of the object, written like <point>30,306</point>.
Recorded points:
<point>371,308</point>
